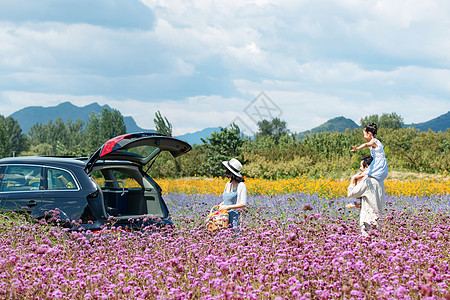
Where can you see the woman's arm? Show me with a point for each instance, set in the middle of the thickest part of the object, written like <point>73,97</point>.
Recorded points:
<point>228,207</point>
<point>241,199</point>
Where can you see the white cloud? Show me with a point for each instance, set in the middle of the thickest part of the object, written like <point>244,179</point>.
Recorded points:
<point>202,62</point>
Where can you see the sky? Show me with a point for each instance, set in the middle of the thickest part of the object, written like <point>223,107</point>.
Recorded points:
<point>208,63</point>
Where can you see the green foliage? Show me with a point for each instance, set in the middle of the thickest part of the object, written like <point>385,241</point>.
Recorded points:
<point>221,146</point>
<point>190,164</point>
<point>101,128</point>
<point>319,154</point>
<point>324,154</point>
<point>5,149</point>
<point>265,167</point>
<point>274,128</point>
<point>74,138</point>
<point>39,149</point>
<point>327,144</point>
<point>111,124</point>
<point>63,139</point>
<point>421,151</point>
<point>92,142</point>
<point>162,125</point>
<point>369,119</point>
<point>17,140</point>
<point>392,120</point>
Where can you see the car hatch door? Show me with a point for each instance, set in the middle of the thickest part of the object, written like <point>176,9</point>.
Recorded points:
<point>138,148</point>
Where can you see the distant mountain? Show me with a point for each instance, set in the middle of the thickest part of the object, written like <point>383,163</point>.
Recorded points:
<point>338,124</point>
<point>440,123</point>
<point>195,137</point>
<point>31,115</point>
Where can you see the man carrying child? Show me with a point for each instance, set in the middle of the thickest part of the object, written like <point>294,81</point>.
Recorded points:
<point>372,196</point>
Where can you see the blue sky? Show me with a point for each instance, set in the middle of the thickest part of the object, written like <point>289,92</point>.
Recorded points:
<point>208,63</point>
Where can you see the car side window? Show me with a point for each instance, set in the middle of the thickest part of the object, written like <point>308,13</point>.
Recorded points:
<point>21,178</point>
<point>60,180</point>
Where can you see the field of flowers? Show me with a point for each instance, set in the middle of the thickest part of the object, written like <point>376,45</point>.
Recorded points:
<point>301,244</point>
<point>324,187</point>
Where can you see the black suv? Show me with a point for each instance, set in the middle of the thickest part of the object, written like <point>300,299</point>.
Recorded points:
<point>111,184</point>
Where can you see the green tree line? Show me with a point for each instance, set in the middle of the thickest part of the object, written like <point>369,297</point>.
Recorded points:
<point>273,152</point>
<point>322,154</point>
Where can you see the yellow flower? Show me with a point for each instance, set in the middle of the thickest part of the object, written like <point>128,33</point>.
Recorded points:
<point>323,187</point>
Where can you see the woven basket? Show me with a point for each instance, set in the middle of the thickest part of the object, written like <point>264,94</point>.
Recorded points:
<point>216,219</point>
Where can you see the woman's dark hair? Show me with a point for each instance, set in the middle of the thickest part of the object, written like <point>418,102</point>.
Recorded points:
<point>232,177</point>
<point>367,160</point>
<point>372,127</point>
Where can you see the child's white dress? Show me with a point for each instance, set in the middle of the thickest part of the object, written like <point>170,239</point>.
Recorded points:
<point>378,168</point>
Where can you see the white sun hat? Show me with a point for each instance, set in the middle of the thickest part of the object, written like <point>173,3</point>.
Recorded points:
<point>234,166</point>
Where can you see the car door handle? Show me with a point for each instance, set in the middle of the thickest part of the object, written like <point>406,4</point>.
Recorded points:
<point>31,203</point>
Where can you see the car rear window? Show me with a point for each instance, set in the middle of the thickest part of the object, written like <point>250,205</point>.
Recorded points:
<point>142,151</point>
<point>58,179</point>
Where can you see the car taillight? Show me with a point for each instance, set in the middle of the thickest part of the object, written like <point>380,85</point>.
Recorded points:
<point>108,147</point>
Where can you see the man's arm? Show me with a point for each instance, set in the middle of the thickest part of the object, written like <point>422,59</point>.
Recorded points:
<point>358,190</point>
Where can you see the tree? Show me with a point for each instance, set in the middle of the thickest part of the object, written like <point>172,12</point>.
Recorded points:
<point>392,120</point>
<point>36,134</point>
<point>73,138</point>
<point>369,120</point>
<point>17,140</point>
<point>101,128</point>
<point>50,134</point>
<point>162,125</point>
<point>5,149</point>
<point>275,128</point>
<point>221,146</point>
<point>73,145</point>
<point>92,129</point>
<point>76,134</point>
<point>111,124</point>
<point>57,133</point>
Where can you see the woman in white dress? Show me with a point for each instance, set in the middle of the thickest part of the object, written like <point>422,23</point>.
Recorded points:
<point>235,192</point>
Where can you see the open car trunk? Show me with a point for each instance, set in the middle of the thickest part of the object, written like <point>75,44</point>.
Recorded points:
<point>117,167</point>
<point>127,194</point>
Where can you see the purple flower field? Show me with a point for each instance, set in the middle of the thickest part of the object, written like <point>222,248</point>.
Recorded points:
<point>289,247</point>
